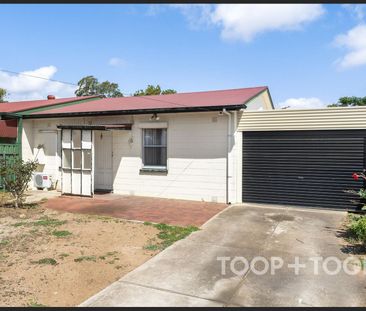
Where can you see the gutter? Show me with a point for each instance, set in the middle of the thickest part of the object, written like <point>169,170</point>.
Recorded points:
<point>132,112</point>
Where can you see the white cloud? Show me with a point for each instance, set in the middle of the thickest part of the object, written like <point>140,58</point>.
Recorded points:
<point>357,10</point>
<point>245,21</point>
<point>21,87</point>
<point>302,103</point>
<point>116,62</point>
<point>355,42</point>
<point>197,15</point>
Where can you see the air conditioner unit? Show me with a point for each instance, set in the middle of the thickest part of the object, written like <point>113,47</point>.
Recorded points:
<point>42,180</point>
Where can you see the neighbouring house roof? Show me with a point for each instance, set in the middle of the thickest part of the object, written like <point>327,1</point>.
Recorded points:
<point>194,101</point>
<point>10,107</point>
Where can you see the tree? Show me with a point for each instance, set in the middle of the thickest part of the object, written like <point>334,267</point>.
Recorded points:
<point>154,90</point>
<point>349,102</point>
<point>3,94</point>
<point>109,89</point>
<point>168,91</point>
<point>16,176</point>
<point>90,85</point>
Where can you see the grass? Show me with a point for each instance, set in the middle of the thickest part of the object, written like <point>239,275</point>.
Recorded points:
<point>44,222</point>
<point>4,242</point>
<point>36,304</point>
<point>169,235</point>
<point>85,258</point>
<point>45,261</point>
<point>61,234</point>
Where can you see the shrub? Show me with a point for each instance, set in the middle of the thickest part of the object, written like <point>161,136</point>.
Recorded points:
<point>16,175</point>
<point>358,229</point>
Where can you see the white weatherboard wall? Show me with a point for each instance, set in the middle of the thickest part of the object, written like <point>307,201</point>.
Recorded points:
<point>304,119</point>
<point>196,150</point>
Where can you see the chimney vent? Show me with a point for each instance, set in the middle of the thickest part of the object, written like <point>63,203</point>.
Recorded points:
<point>51,97</point>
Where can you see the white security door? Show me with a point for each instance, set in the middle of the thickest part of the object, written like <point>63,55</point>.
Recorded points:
<point>77,168</point>
<point>103,172</point>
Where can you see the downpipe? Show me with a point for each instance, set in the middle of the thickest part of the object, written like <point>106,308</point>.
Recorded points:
<point>224,111</point>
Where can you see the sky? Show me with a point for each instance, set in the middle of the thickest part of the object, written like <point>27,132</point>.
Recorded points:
<point>308,55</point>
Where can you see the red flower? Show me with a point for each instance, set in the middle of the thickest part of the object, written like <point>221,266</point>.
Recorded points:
<point>355,176</point>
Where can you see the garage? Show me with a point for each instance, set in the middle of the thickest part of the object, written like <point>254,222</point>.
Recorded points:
<point>303,158</point>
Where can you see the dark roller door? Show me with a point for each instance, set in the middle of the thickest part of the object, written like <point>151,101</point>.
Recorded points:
<point>306,168</point>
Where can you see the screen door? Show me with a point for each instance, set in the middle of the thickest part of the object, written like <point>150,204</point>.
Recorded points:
<point>77,162</point>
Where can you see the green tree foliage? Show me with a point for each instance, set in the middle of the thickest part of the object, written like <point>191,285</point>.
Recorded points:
<point>168,91</point>
<point>90,85</point>
<point>350,102</point>
<point>154,90</point>
<point>16,176</point>
<point>3,94</point>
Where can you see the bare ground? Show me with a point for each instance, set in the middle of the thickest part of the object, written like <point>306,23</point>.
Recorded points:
<point>87,254</point>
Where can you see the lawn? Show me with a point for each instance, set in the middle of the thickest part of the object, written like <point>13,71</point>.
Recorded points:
<point>50,258</point>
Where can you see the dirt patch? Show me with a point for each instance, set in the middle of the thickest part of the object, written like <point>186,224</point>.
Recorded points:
<point>60,259</point>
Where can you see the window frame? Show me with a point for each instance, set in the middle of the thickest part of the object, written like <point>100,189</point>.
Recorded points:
<point>162,168</point>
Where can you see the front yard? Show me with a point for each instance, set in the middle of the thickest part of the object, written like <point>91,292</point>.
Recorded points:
<point>56,258</point>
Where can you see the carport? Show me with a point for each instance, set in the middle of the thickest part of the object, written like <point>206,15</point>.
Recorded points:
<point>303,157</point>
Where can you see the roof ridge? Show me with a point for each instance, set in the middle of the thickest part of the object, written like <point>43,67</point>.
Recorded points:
<point>211,91</point>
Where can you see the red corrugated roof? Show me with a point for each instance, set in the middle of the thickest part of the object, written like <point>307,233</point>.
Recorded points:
<point>231,97</point>
<point>8,128</point>
<point>32,104</point>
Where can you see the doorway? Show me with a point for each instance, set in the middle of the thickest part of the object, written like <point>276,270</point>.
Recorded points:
<point>103,170</point>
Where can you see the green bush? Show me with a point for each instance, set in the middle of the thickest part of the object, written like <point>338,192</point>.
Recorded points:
<point>16,175</point>
<point>358,229</point>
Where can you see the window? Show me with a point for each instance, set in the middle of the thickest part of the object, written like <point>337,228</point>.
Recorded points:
<point>154,148</point>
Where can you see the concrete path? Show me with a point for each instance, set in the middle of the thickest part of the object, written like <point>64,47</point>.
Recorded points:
<point>190,274</point>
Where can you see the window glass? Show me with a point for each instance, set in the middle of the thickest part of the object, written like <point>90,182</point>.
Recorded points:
<point>86,139</point>
<point>76,138</point>
<point>154,144</point>
<point>76,160</point>
<point>66,158</point>
<point>87,159</point>
<point>66,138</point>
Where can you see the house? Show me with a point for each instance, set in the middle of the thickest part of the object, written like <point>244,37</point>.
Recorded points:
<point>182,146</point>
<point>217,146</point>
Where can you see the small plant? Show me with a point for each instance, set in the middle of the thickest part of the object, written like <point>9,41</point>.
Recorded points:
<point>4,242</point>
<point>45,261</point>
<point>357,229</point>
<point>85,258</point>
<point>61,234</point>
<point>151,247</point>
<point>362,192</point>
<point>36,304</point>
<point>169,234</point>
<point>16,176</point>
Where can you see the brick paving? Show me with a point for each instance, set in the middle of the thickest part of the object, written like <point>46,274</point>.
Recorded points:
<point>169,211</point>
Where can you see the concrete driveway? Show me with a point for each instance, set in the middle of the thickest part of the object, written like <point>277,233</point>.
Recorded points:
<point>190,273</point>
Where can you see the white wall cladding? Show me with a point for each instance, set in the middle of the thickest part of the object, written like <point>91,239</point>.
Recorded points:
<point>304,119</point>
<point>196,155</point>
<point>196,159</point>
